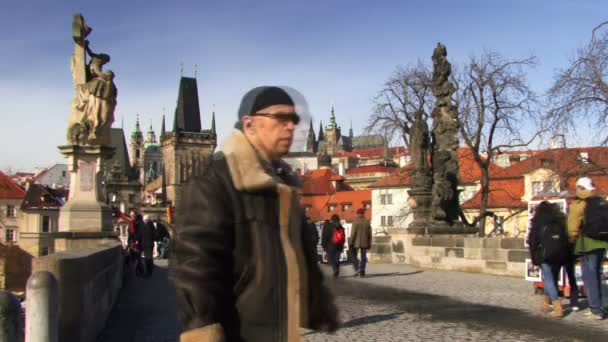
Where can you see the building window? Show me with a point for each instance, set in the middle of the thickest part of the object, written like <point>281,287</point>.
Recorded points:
<point>64,173</point>
<point>389,199</point>
<point>382,199</point>
<point>131,198</point>
<point>546,162</point>
<point>46,224</point>
<point>345,207</point>
<point>368,205</point>
<point>383,221</point>
<point>137,154</point>
<point>389,221</point>
<point>44,251</point>
<point>541,187</point>
<point>331,208</point>
<point>10,235</point>
<point>10,211</point>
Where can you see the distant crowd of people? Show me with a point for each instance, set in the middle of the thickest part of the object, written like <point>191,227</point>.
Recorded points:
<point>142,234</point>
<point>557,241</point>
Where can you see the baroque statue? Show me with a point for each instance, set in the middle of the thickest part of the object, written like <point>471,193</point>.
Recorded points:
<point>92,112</point>
<point>444,205</point>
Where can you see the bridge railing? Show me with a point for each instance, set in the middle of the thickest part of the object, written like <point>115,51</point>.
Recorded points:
<point>87,284</point>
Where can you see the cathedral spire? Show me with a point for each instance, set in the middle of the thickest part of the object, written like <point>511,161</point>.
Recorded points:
<point>332,120</point>
<point>213,122</point>
<point>162,127</point>
<point>321,136</point>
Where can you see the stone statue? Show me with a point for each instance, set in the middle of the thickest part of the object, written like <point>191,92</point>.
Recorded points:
<point>444,205</point>
<point>420,146</point>
<point>95,92</point>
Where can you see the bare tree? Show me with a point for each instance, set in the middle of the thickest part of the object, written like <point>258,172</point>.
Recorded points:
<point>581,90</point>
<point>495,104</point>
<point>407,91</point>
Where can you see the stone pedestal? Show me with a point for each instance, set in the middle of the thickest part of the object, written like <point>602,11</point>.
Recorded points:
<point>443,227</point>
<point>85,211</point>
<point>422,211</point>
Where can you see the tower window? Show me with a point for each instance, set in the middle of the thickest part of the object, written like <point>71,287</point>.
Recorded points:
<point>137,154</point>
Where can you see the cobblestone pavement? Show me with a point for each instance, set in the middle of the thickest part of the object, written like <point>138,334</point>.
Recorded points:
<point>393,303</point>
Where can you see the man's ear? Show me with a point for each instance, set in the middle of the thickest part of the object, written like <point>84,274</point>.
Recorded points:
<point>248,124</point>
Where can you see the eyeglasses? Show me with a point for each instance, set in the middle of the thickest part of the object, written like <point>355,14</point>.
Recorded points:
<point>283,118</point>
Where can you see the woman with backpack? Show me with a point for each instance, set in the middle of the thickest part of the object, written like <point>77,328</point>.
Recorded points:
<point>588,231</point>
<point>549,249</point>
<point>332,240</point>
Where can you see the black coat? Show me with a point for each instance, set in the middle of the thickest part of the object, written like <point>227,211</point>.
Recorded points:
<point>236,269</point>
<point>327,235</point>
<point>146,238</point>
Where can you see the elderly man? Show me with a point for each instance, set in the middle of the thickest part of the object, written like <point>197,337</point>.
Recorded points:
<point>591,251</point>
<point>360,240</point>
<point>244,267</point>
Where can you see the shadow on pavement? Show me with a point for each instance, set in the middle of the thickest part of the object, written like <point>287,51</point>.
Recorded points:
<point>474,316</point>
<point>369,319</point>
<point>392,274</point>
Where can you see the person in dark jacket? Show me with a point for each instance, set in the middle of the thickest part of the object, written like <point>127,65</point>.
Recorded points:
<point>241,260</point>
<point>333,250</point>
<point>547,214</point>
<point>146,237</point>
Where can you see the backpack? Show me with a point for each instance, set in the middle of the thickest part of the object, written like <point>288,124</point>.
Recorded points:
<point>595,223</point>
<point>554,248</point>
<point>339,237</point>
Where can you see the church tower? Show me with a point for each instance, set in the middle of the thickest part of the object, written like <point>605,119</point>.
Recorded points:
<point>136,148</point>
<point>185,148</point>
<point>332,135</point>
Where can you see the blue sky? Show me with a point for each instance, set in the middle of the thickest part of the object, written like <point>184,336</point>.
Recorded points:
<point>332,51</point>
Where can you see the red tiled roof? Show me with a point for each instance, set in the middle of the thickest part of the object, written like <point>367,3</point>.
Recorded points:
<point>504,193</point>
<point>371,169</point>
<point>400,177</point>
<point>9,189</point>
<point>562,161</point>
<point>468,171</point>
<point>319,205</point>
<point>319,182</point>
<point>374,152</point>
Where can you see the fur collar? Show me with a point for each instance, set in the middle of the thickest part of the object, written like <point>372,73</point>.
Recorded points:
<point>248,171</point>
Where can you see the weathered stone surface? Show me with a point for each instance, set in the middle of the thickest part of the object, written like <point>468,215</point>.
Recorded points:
<point>381,239</point>
<point>443,241</point>
<point>454,252</point>
<point>518,255</point>
<point>496,265</point>
<point>491,243</point>
<point>493,254</point>
<point>436,260</point>
<point>421,241</point>
<point>473,242</point>
<point>381,249</point>
<point>398,247</point>
<point>472,253</point>
<point>512,243</point>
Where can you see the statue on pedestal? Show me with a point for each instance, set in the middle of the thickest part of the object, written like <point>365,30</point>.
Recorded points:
<point>95,99</point>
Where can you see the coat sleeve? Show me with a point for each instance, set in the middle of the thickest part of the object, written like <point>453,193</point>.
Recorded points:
<point>369,234</point>
<point>202,260</point>
<point>575,219</point>
<point>353,233</point>
<point>326,235</point>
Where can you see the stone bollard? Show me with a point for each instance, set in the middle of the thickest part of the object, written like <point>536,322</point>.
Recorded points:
<point>11,320</point>
<point>41,308</point>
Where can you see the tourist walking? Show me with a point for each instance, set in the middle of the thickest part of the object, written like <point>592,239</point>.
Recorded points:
<point>146,237</point>
<point>548,244</point>
<point>242,262</point>
<point>587,219</point>
<point>333,238</point>
<point>360,240</point>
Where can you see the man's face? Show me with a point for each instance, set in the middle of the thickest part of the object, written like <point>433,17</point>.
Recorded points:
<point>274,128</point>
<point>133,214</point>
